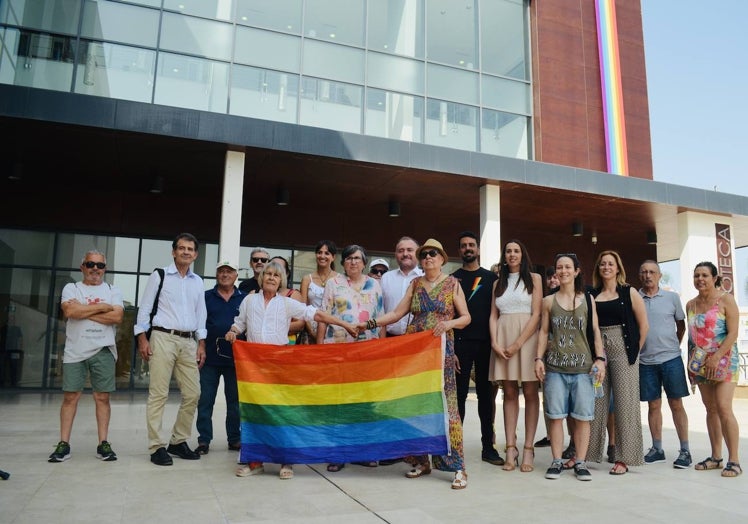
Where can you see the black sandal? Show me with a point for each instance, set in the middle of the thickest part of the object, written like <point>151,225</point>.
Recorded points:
<point>334,467</point>
<point>732,469</point>
<point>708,463</point>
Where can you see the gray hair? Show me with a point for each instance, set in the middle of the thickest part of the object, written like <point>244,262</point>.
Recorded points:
<point>276,268</point>
<point>92,252</point>
<point>259,250</point>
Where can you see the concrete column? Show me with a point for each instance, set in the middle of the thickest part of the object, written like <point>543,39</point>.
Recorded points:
<point>231,207</point>
<point>490,225</point>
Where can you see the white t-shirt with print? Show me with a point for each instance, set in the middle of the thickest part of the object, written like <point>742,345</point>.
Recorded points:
<point>84,337</point>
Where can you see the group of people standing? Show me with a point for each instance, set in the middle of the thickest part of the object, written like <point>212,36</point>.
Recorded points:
<point>498,323</point>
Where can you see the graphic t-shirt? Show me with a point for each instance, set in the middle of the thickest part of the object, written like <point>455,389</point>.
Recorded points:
<point>84,337</point>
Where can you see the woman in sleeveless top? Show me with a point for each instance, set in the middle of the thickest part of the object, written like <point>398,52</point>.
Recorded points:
<point>564,363</point>
<point>437,303</point>
<point>713,325</point>
<point>313,284</point>
<point>515,315</point>
<point>624,326</point>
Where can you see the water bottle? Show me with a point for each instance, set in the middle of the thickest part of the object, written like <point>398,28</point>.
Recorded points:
<point>599,393</point>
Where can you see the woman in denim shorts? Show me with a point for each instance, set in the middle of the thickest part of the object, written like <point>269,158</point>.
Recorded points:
<point>565,360</point>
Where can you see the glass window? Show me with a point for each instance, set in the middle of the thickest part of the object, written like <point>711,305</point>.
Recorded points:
<point>394,115</point>
<point>217,9</point>
<point>280,15</point>
<point>119,22</point>
<point>24,326</point>
<point>339,21</point>
<point>394,73</point>
<point>396,26</point>
<point>503,38</point>
<point>26,248</point>
<point>259,93</point>
<point>44,61</point>
<point>331,105</point>
<point>195,36</point>
<point>452,84</point>
<point>121,252</point>
<point>451,125</point>
<point>115,71</point>
<point>194,83</point>
<point>59,16</point>
<point>267,49</point>
<point>508,95</point>
<point>155,253</point>
<point>505,134</point>
<point>451,35</point>
<point>333,61</point>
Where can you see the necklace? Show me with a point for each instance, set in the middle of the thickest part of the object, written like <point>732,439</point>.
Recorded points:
<point>324,280</point>
<point>432,283</point>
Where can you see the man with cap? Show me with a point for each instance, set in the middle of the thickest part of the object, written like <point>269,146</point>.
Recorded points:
<point>378,267</point>
<point>222,305</point>
<point>473,343</point>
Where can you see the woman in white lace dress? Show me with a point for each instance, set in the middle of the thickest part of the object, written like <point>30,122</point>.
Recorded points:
<point>515,316</point>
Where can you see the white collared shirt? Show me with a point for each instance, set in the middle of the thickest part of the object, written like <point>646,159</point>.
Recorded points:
<point>394,285</point>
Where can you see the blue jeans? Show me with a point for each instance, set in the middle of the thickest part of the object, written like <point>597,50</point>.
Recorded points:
<point>670,375</point>
<point>569,394</point>
<point>210,376</point>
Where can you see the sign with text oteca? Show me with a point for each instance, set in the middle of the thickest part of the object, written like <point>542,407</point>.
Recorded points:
<point>724,256</point>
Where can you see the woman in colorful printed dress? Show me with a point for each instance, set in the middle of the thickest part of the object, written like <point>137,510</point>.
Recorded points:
<point>515,315</point>
<point>437,303</point>
<point>713,325</point>
<point>353,297</point>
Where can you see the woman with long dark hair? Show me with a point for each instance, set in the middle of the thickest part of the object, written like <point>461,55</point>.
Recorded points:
<point>515,314</point>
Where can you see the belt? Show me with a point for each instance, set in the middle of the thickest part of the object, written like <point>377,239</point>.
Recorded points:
<point>183,334</point>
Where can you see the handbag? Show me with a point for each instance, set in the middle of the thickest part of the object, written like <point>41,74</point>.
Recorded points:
<point>696,365</point>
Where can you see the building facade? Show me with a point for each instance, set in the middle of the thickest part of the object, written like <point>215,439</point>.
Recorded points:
<point>278,123</point>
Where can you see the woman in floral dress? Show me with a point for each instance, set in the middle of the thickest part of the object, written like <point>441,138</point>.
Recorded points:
<point>437,303</point>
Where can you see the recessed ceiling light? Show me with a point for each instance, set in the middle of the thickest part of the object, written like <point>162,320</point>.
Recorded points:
<point>332,35</point>
<point>175,70</point>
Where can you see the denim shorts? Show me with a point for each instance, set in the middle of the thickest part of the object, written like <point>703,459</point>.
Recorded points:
<point>569,394</point>
<point>101,367</point>
<point>670,375</point>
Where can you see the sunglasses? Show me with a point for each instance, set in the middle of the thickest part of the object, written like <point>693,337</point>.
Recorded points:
<point>572,256</point>
<point>97,265</point>
<point>430,253</point>
<point>263,260</point>
<point>378,271</point>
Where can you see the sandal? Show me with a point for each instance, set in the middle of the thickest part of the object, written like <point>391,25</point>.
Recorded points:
<point>569,452</point>
<point>460,480</point>
<point>286,472</point>
<point>616,469</point>
<point>526,467</point>
<point>732,469</point>
<point>569,464</point>
<point>419,470</point>
<point>511,462</point>
<point>708,463</point>
<point>335,467</point>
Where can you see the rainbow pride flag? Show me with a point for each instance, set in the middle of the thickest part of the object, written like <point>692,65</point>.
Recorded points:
<point>352,402</point>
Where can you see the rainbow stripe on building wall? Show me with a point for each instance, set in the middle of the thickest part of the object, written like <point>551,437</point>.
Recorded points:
<point>612,92</point>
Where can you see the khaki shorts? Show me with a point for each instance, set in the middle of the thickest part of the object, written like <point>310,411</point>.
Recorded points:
<point>101,368</point>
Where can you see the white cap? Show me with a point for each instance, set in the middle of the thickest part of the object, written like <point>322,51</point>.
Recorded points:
<point>226,263</point>
<point>379,262</point>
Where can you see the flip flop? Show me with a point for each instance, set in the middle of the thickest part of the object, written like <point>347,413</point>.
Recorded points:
<point>618,465</point>
<point>334,468</point>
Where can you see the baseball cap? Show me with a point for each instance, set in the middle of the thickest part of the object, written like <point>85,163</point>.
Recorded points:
<point>226,263</point>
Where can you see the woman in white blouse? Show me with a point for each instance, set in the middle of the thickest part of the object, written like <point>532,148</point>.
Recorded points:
<point>266,317</point>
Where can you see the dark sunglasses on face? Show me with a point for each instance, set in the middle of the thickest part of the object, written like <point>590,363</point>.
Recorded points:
<point>97,265</point>
<point>263,260</point>
<point>378,271</point>
<point>430,253</point>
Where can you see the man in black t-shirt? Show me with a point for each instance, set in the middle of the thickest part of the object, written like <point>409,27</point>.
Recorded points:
<point>473,343</point>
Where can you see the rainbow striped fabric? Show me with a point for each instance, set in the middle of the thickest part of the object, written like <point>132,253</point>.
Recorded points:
<point>360,401</point>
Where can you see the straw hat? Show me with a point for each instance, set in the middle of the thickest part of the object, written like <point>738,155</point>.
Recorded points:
<point>432,243</point>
